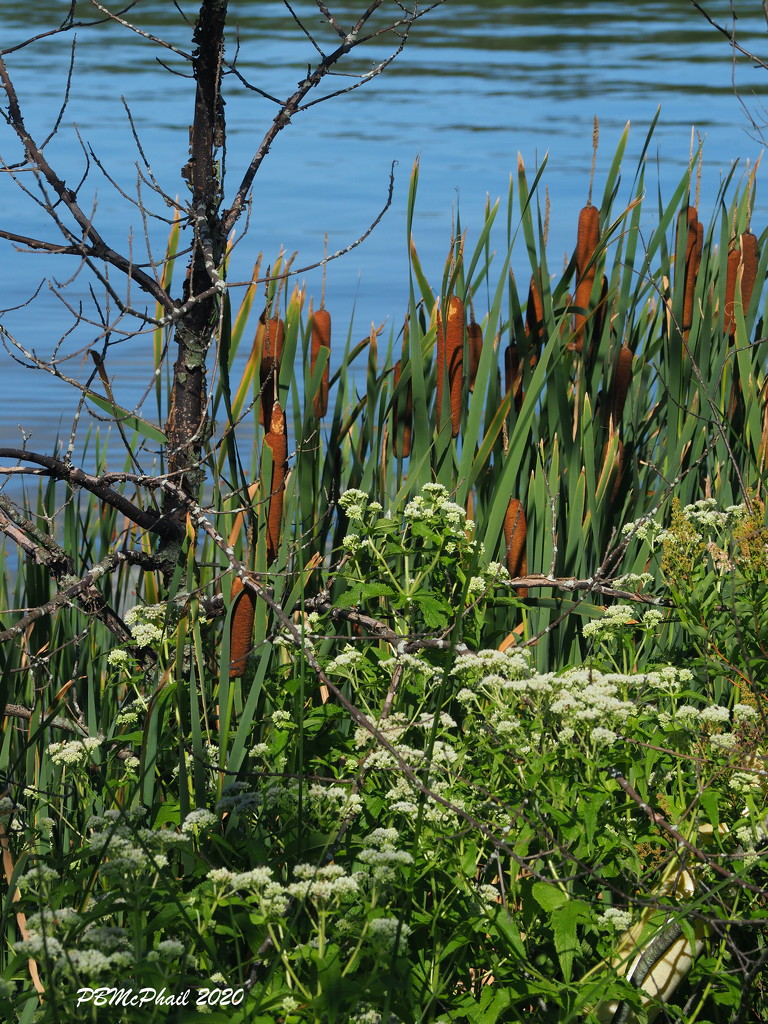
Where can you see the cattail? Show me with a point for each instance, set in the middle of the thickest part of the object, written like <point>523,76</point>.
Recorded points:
<point>513,374</point>
<point>515,534</point>
<point>241,627</point>
<point>534,314</point>
<point>454,354</point>
<point>475,337</point>
<point>277,442</point>
<point>622,375</point>
<point>688,220</point>
<point>321,338</point>
<point>269,370</point>
<point>748,258</point>
<point>587,241</point>
<point>402,415</point>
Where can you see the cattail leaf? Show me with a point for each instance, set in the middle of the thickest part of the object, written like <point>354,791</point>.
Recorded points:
<point>128,419</point>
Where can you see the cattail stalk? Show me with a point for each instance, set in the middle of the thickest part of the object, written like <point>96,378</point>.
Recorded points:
<point>402,415</point>
<point>587,241</point>
<point>277,443</point>
<point>241,628</point>
<point>321,338</point>
<point>475,339</point>
<point>515,536</point>
<point>622,376</point>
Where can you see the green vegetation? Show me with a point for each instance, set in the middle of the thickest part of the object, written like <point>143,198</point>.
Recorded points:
<point>460,776</point>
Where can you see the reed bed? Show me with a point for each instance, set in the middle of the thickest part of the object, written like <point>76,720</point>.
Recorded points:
<point>583,403</point>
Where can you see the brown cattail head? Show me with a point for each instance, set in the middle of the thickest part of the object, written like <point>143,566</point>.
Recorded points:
<point>454,354</point>
<point>748,258</point>
<point>241,628</point>
<point>402,415</point>
<point>475,338</point>
<point>587,241</point>
<point>622,376</point>
<point>513,374</point>
<point>688,221</point>
<point>534,314</point>
<point>277,443</point>
<point>269,370</point>
<point>321,338</point>
<point>515,535</point>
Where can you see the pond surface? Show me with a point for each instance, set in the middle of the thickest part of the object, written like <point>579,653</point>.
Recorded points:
<point>476,84</point>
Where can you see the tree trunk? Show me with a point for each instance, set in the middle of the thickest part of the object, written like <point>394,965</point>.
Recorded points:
<point>187,428</point>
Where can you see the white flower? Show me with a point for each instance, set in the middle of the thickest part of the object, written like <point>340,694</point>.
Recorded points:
<point>146,634</point>
<point>603,737</point>
<point>613,917</point>
<point>253,879</point>
<point>350,657</point>
<point>118,658</point>
<point>39,946</point>
<point>742,712</point>
<point>221,876</point>
<point>280,719</point>
<point>170,948</point>
<point>686,712</point>
<point>383,837</point>
<point>715,714</point>
<point>74,752</point>
<point>198,820</point>
<point>723,741</point>
<point>383,931</point>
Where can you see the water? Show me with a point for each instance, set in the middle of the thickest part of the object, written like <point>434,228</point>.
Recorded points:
<point>476,84</point>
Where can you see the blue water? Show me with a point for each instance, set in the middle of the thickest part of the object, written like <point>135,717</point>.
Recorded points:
<point>477,84</point>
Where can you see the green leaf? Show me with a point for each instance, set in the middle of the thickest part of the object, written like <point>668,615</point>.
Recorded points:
<point>435,611</point>
<point>564,921</point>
<point>129,419</point>
<point>359,592</point>
<point>549,896</point>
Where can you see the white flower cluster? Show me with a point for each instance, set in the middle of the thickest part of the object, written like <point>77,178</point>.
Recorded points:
<point>434,508</point>
<point>615,619</point>
<point>118,658</point>
<point>350,658</point>
<point>198,821</point>
<point>384,932</point>
<point>417,664</point>
<point>614,918</point>
<point>355,503</point>
<point>74,752</point>
<point>510,664</point>
<point>54,934</point>
<point>321,883</point>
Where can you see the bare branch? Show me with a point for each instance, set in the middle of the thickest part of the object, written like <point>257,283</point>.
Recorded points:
<point>98,248</point>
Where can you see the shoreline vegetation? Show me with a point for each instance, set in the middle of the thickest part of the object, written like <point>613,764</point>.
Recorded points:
<point>453,709</point>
